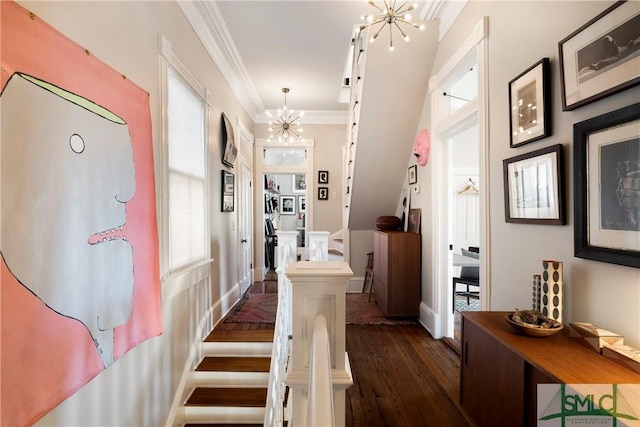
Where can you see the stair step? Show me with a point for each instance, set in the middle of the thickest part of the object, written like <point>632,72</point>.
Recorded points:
<point>235,364</point>
<point>229,379</point>
<point>335,251</point>
<point>253,335</point>
<point>224,425</point>
<point>228,397</point>
<point>338,239</point>
<point>240,349</point>
<point>224,415</point>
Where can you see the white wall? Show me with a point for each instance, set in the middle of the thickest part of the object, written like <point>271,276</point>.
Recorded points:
<point>138,389</point>
<point>520,34</point>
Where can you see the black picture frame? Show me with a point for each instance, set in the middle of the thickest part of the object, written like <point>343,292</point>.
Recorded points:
<point>530,104</point>
<point>606,170</point>
<point>600,58</point>
<point>323,177</point>
<point>288,205</point>
<point>323,193</point>
<point>534,187</point>
<point>227,192</point>
<point>413,174</point>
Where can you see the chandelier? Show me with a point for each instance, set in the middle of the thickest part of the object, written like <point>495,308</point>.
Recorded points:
<point>285,127</point>
<point>393,16</point>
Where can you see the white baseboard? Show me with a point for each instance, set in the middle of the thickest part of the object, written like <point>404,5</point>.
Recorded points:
<point>430,320</point>
<point>355,285</point>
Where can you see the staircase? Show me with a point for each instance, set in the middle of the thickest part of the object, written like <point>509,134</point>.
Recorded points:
<point>230,382</point>
<point>336,246</point>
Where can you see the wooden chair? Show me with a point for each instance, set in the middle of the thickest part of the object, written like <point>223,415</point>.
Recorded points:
<point>368,274</point>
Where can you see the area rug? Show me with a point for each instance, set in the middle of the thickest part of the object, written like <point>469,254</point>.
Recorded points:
<point>461,304</point>
<point>261,308</point>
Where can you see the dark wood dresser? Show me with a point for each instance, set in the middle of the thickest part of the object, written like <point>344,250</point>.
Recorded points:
<point>500,369</point>
<point>396,272</point>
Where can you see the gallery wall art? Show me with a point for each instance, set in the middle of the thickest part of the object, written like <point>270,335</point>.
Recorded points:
<point>79,244</point>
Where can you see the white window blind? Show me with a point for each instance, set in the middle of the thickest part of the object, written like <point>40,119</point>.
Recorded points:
<point>186,113</point>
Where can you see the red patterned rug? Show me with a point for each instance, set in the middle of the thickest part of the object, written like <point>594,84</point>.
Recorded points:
<point>261,308</point>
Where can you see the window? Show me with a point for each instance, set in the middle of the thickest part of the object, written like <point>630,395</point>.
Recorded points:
<point>186,164</point>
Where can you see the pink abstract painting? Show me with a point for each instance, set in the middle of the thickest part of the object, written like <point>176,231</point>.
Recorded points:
<point>80,269</point>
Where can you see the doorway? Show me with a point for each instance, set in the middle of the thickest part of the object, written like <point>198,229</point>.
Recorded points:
<point>283,198</point>
<point>459,108</point>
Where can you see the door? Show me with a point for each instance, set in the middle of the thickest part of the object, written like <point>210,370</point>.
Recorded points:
<point>246,228</point>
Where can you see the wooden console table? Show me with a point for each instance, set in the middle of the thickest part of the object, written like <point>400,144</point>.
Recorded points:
<point>500,369</point>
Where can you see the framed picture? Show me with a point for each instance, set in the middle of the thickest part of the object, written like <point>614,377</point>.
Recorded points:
<point>413,174</point>
<point>414,221</point>
<point>606,176</point>
<point>323,177</point>
<point>323,193</point>
<point>529,104</point>
<point>298,183</point>
<point>228,190</point>
<point>533,187</point>
<point>302,204</point>
<point>228,143</point>
<point>288,205</point>
<point>602,57</point>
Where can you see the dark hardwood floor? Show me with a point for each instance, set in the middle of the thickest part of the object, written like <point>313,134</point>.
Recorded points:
<point>402,376</point>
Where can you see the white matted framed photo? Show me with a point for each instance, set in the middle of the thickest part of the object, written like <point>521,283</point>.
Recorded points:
<point>413,174</point>
<point>299,183</point>
<point>302,204</point>
<point>323,177</point>
<point>602,57</point>
<point>533,187</point>
<point>287,205</point>
<point>228,191</point>
<point>529,104</point>
<point>606,175</point>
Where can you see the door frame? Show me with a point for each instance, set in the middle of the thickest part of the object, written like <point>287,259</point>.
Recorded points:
<point>260,170</point>
<point>444,125</point>
<point>245,205</point>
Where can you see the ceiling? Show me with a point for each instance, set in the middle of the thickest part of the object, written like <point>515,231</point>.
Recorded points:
<point>302,45</point>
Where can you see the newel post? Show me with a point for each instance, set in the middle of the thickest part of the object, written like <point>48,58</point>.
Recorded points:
<point>318,245</point>
<point>318,288</point>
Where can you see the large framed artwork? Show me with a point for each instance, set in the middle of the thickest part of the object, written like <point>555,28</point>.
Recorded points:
<point>77,167</point>
<point>602,57</point>
<point>533,187</point>
<point>606,175</point>
<point>529,104</point>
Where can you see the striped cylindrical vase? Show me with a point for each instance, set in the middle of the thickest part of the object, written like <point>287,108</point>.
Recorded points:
<point>551,303</point>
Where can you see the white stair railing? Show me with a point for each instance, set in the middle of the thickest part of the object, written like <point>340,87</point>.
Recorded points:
<point>274,413</point>
<point>320,413</point>
<point>318,289</point>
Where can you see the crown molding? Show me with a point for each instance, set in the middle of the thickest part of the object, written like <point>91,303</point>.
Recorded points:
<point>445,10</point>
<point>315,117</point>
<point>209,26</point>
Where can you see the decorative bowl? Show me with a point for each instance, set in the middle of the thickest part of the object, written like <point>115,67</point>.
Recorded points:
<point>532,330</point>
<point>388,223</point>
